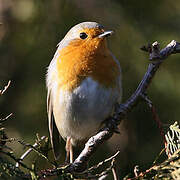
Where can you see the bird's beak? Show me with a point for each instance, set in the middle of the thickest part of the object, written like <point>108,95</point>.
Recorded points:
<point>105,34</point>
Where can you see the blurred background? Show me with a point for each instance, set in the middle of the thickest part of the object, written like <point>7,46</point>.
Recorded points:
<point>29,33</point>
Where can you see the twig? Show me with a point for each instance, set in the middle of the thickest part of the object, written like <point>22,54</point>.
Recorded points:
<point>156,159</point>
<point>9,154</point>
<point>136,170</point>
<point>28,151</point>
<point>104,173</point>
<point>103,177</point>
<point>103,162</point>
<point>114,171</point>
<point>5,119</point>
<point>33,148</point>
<point>10,169</point>
<point>155,117</point>
<point>5,88</point>
<point>89,170</point>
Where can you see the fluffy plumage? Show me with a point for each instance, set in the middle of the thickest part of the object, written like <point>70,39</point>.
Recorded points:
<point>84,83</point>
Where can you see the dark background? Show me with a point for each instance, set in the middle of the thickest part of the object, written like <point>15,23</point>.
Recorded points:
<point>29,33</point>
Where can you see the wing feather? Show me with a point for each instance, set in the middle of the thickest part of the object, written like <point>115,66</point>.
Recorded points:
<point>54,133</point>
<point>119,79</point>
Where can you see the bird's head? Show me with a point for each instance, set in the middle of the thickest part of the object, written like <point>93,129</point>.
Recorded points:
<point>87,36</point>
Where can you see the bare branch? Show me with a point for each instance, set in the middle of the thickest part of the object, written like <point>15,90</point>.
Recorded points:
<point>158,56</point>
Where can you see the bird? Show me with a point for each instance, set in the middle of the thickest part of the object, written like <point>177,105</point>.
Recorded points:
<point>83,85</point>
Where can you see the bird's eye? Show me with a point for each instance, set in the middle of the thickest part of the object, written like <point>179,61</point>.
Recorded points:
<point>83,35</point>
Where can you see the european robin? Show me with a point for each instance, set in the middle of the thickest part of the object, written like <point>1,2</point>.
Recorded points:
<point>84,83</point>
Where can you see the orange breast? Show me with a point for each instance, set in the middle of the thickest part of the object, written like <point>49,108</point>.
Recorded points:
<point>86,58</point>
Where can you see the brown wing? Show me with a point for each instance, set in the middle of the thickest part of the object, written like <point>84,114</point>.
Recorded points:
<point>54,133</point>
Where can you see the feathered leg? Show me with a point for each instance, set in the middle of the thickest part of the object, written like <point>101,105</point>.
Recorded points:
<point>69,150</point>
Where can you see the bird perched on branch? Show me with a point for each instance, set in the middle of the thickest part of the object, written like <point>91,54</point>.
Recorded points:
<point>84,83</point>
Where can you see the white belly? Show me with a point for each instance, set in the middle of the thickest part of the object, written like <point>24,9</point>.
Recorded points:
<point>80,113</point>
